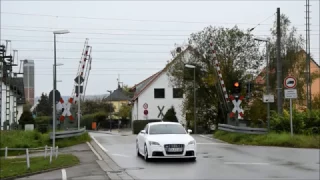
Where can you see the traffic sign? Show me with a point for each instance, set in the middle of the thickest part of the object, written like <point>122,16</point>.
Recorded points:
<point>145,106</point>
<point>268,98</point>
<point>76,80</point>
<point>145,112</point>
<point>290,94</point>
<point>290,82</point>
<point>57,96</point>
<point>237,107</point>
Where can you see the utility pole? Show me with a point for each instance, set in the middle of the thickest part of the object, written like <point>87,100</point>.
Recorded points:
<point>279,64</point>
<point>308,80</point>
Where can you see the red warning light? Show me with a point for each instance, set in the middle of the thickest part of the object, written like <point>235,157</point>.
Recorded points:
<point>236,84</point>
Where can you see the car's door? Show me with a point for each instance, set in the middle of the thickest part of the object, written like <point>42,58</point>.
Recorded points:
<point>142,136</point>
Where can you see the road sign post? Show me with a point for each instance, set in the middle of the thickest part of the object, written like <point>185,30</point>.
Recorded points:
<point>290,83</point>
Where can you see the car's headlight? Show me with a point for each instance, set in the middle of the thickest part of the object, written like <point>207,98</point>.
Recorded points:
<point>192,142</point>
<point>154,143</point>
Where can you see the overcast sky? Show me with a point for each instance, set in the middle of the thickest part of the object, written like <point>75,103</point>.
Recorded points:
<point>153,28</point>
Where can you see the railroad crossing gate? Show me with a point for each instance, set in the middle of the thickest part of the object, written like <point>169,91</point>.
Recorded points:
<point>237,107</point>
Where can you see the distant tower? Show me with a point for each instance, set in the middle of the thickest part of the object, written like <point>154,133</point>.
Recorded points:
<point>28,80</point>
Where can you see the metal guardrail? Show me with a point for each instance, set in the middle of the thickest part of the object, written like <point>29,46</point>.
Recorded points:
<point>68,133</point>
<point>246,130</point>
<point>52,152</point>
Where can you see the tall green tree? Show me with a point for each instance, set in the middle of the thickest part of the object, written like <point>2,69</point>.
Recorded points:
<point>237,53</point>
<point>292,55</point>
<point>44,108</point>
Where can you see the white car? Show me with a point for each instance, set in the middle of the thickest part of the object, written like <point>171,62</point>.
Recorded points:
<point>165,140</point>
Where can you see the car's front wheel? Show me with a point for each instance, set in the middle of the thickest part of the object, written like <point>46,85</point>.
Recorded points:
<point>146,153</point>
<point>193,159</point>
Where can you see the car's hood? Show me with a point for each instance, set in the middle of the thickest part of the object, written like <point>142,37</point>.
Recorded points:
<point>170,138</point>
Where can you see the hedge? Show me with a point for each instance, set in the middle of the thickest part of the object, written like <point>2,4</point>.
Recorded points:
<point>138,125</point>
<point>301,123</point>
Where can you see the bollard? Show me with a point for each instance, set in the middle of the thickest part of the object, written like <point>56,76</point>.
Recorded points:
<point>45,151</point>
<point>50,155</point>
<point>28,158</point>
<point>6,153</point>
<point>57,148</point>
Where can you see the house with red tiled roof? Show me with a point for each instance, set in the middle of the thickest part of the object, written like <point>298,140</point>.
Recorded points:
<point>156,94</point>
<point>314,69</point>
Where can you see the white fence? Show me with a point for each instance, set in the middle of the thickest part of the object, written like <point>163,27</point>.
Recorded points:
<point>46,149</point>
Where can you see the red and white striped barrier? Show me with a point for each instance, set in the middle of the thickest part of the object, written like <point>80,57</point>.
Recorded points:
<point>219,72</point>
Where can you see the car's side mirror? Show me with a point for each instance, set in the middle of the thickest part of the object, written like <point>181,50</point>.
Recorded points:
<point>189,131</point>
<point>143,131</point>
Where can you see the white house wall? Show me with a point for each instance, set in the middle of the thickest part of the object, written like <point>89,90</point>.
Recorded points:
<point>147,96</point>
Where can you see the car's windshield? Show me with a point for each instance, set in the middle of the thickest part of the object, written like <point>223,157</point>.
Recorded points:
<point>167,129</point>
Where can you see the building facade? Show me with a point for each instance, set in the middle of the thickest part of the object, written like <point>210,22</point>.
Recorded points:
<point>28,80</point>
<point>156,94</point>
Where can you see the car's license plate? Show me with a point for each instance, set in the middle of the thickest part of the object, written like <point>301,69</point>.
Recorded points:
<point>174,149</point>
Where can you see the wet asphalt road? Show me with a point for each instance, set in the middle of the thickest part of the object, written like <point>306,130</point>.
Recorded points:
<point>216,160</point>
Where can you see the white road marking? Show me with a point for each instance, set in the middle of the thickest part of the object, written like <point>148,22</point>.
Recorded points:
<point>246,163</point>
<point>64,174</point>
<point>94,151</point>
<point>103,149</point>
<point>120,155</point>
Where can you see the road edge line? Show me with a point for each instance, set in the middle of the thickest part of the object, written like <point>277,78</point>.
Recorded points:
<point>103,149</point>
<point>64,174</point>
<point>219,141</point>
<point>94,151</point>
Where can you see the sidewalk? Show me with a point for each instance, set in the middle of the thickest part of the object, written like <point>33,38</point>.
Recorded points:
<point>88,169</point>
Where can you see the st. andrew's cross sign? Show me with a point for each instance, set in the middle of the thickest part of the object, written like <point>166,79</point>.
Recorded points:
<point>237,107</point>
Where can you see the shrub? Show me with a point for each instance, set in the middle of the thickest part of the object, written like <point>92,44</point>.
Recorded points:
<point>170,115</point>
<point>43,120</point>
<point>87,120</point>
<point>138,125</point>
<point>301,123</point>
<point>26,118</point>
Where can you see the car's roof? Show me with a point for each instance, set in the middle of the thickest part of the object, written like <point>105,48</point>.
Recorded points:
<point>155,123</point>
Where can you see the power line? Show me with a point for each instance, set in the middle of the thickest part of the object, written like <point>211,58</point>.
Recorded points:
<point>104,33</point>
<point>95,51</point>
<point>34,30</point>
<point>122,19</point>
<point>120,29</point>
<point>92,43</point>
<point>137,20</point>
<point>90,38</point>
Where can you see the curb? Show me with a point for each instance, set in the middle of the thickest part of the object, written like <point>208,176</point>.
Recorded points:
<point>37,172</point>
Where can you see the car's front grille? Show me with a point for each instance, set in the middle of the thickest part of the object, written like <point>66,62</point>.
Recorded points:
<point>169,148</point>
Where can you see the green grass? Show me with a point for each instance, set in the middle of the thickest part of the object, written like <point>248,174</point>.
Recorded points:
<point>34,139</point>
<point>18,166</point>
<point>270,139</point>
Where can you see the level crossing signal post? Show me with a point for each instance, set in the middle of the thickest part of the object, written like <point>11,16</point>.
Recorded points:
<point>236,98</point>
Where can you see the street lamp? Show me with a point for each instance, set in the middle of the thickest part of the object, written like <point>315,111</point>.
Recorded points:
<point>110,91</point>
<point>194,95</point>
<point>55,84</point>
<point>267,77</point>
